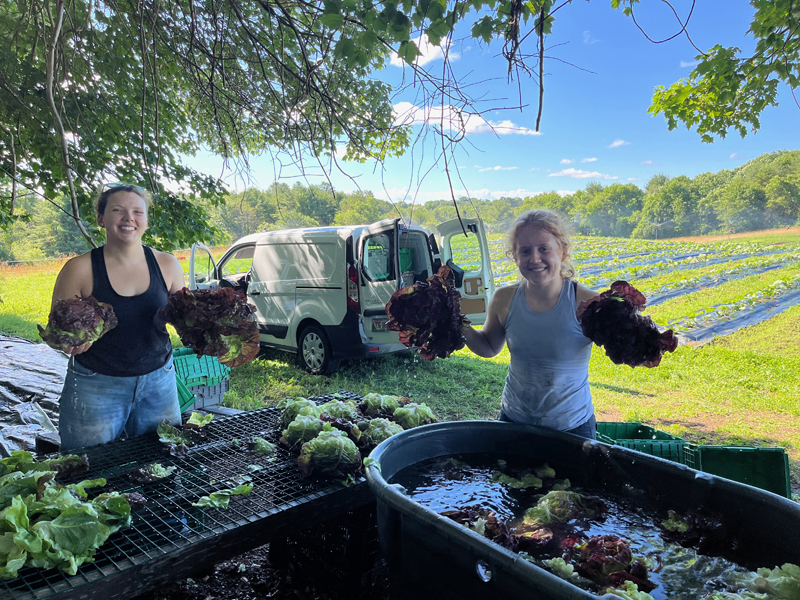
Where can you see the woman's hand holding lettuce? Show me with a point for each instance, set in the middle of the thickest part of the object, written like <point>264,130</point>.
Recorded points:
<point>215,323</point>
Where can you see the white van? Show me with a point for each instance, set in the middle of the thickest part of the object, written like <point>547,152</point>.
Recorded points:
<point>322,292</point>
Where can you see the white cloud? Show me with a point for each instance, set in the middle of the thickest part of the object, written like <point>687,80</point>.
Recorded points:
<point>497,168</point>
<point>633,179</point>
<point>588,160</point>
<point>648,162</point>
<point>618,143</point>
<point>588,39</point>
<point>689,63</point>
<point>455,119</point>
<point>565,161</point>
<point>429,52</point>
<point>580,174</point>
<point>735,155</point>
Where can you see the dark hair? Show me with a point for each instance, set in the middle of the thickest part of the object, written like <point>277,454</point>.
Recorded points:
<point>550,222</point>
<point>110,189</point>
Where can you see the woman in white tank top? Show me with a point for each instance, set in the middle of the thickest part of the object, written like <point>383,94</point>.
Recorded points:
<point>548,380</point>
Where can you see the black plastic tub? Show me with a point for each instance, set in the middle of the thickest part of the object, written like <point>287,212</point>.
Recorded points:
<point>431,556</point>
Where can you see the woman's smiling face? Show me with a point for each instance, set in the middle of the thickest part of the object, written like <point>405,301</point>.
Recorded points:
<point>125,216</point>
<point>538,255</point>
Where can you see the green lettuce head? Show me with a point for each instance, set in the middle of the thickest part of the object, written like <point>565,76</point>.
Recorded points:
<point>330,453</point>
<point>293,408</point>
<point>341,410</point>
<point>377,431</point>
<point>560,506</point>
<point>413,415</point>
<point>375,405</point>
<point>303,429</point>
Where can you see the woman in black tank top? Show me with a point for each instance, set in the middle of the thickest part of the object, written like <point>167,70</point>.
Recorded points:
<point>124,383</point>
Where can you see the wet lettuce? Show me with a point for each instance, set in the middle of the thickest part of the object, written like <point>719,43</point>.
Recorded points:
<point>413,415</point>
<point>77,321</point>
<point>330,453</point>
<point>303,429</point>
<point>428,316</point>
<point>613,320</point>
<point>380,405</point>
<point>47,525</point>
<point>378,430</point>
<point>560,506</point>
<point>215,323</point>
<point>341,410</point>
<point>222,498</point>
<point>293,407</point>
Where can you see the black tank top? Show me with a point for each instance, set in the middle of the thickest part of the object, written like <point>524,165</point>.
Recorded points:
<point>137,345</point>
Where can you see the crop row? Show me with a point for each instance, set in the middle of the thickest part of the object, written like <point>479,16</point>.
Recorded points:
<point>736,307</point>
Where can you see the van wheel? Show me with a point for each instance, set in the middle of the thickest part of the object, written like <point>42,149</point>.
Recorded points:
<point>314,352</point>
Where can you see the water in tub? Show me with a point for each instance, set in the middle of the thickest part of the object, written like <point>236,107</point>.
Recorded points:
<point>679,573</point>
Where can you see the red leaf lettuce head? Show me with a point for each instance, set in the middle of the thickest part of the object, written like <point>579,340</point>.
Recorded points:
<point>428,316</point>
<point>612,320</point>
<point>215,323</point>
<point>77,321</point>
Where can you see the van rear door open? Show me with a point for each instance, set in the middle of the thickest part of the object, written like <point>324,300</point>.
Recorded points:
<point>379,274</point>
<point>471,262</point>
<point>202,269</point>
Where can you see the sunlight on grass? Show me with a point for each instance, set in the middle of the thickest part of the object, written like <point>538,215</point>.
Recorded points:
<point>740,389</point>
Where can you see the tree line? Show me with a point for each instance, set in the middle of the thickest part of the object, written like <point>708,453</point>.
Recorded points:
<point>761,194</point>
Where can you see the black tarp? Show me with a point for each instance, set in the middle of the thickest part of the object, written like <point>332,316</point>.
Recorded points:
<point>31,378</point>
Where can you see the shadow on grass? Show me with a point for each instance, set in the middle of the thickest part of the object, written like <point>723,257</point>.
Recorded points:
<point>620,390</point>
<point>11,324</point>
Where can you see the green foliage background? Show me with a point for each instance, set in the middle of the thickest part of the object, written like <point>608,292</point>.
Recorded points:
<point>761,194</point>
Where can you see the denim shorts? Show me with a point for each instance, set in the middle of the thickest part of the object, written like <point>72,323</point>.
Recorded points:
<point>587,429</point>
<point>96,408</point>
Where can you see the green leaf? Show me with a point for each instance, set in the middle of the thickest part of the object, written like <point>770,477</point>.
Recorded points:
<point>333,21</point>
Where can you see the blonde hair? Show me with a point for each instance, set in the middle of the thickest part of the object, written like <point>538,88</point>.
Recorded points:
<point>553,224</point>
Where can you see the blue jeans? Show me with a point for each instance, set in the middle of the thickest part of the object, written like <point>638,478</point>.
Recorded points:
<point>587,429</point>
<point>96,408</point>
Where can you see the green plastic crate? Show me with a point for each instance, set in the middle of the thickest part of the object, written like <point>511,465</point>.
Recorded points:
<point>185,398</point>
<point>765,468</point>
<point>617,431</point>
<point>196,370</point>
<point>406,259</point>
<point>667,449</point>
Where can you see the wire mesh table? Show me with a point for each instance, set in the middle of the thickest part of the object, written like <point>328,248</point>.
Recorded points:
<point>169,538</point>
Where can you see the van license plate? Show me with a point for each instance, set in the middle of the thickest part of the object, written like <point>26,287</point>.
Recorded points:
<point>379,324</point>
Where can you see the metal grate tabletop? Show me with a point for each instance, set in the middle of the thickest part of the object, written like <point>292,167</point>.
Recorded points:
<point>170,538</point>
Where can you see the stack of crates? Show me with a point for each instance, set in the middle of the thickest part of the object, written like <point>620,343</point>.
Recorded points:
<point>765,468</point>
<point>642,438</point>
<point>202,380</point>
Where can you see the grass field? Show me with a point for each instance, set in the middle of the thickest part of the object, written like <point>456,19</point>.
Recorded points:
<point>738,389</point>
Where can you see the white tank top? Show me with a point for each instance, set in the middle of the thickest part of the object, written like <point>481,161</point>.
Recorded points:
<point>548,375</point>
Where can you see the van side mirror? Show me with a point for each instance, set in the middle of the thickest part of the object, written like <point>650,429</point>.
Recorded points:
<point>458,272</point>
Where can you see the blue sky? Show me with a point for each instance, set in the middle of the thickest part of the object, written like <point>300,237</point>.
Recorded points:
<point>595,125</point>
